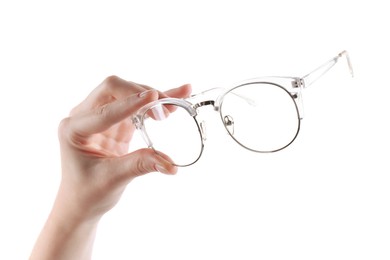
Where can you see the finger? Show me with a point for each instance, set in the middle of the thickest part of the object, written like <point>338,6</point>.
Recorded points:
<point>160,112</point>
<point>141,162</point>
<point>183,91</point>
<point>111,89</point>
<point>163,111</point>
<point>102,118</point>
<point>160,93</point>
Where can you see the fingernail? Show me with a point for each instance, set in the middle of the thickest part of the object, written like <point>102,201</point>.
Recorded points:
<point>143,94</point>
<point>160,168</point>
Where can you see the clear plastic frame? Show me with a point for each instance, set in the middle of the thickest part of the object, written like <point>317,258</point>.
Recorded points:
<point>262,115</point>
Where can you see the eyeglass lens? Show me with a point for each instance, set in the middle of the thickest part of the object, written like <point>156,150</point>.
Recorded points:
<point>262,117</point>
<point>175,134</point>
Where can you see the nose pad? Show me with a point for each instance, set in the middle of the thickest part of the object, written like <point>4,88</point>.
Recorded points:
<point>202,127</point>
<point>229,124</point>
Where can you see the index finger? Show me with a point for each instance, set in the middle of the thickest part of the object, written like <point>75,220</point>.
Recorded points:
<point>103,117</point>
<point>111,89</point>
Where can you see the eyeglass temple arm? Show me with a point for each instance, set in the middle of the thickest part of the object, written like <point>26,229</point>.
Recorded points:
<point>316,74</point>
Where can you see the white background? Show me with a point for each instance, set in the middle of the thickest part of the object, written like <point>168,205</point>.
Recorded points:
<point>325,197</point>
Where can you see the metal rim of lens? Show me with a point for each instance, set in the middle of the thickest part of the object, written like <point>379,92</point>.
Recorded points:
<point>295,106</point>
<point>159,153</point>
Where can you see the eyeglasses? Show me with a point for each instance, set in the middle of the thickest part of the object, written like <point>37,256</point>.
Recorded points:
<point>262,115</point>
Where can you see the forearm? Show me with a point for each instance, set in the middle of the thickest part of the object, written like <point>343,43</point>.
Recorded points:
<point>65,237</point>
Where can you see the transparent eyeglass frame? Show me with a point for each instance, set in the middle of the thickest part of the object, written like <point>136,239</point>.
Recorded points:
<point>292,85</point>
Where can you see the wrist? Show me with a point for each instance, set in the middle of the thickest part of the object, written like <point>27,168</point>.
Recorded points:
<point>65,237</point>
<point>68,233</point>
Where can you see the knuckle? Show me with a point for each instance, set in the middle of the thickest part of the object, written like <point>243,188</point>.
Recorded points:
<point>63,128</point>
<point>110,82</point>
<point>141,168</point>
<point>105,113</point>
<point>142,164</point>
<point>103,110</point>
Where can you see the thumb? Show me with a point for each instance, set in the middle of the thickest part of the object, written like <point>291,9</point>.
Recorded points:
<point>143,161</point>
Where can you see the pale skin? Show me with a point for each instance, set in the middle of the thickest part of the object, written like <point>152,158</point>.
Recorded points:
<point>96,165</point>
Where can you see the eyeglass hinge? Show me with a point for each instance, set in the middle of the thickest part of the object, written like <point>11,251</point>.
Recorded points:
<point>298,83</point>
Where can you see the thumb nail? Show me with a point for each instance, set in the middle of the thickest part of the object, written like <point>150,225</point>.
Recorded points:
<point>160,168</point>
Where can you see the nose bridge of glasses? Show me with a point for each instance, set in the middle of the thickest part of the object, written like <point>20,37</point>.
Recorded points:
<point>204,103</point>
<point>201,122</point>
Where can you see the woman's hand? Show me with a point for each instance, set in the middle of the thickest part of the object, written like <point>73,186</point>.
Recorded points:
<point>96,165</point>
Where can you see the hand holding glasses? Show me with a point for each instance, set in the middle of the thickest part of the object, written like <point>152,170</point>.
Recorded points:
<point>262,115</point>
